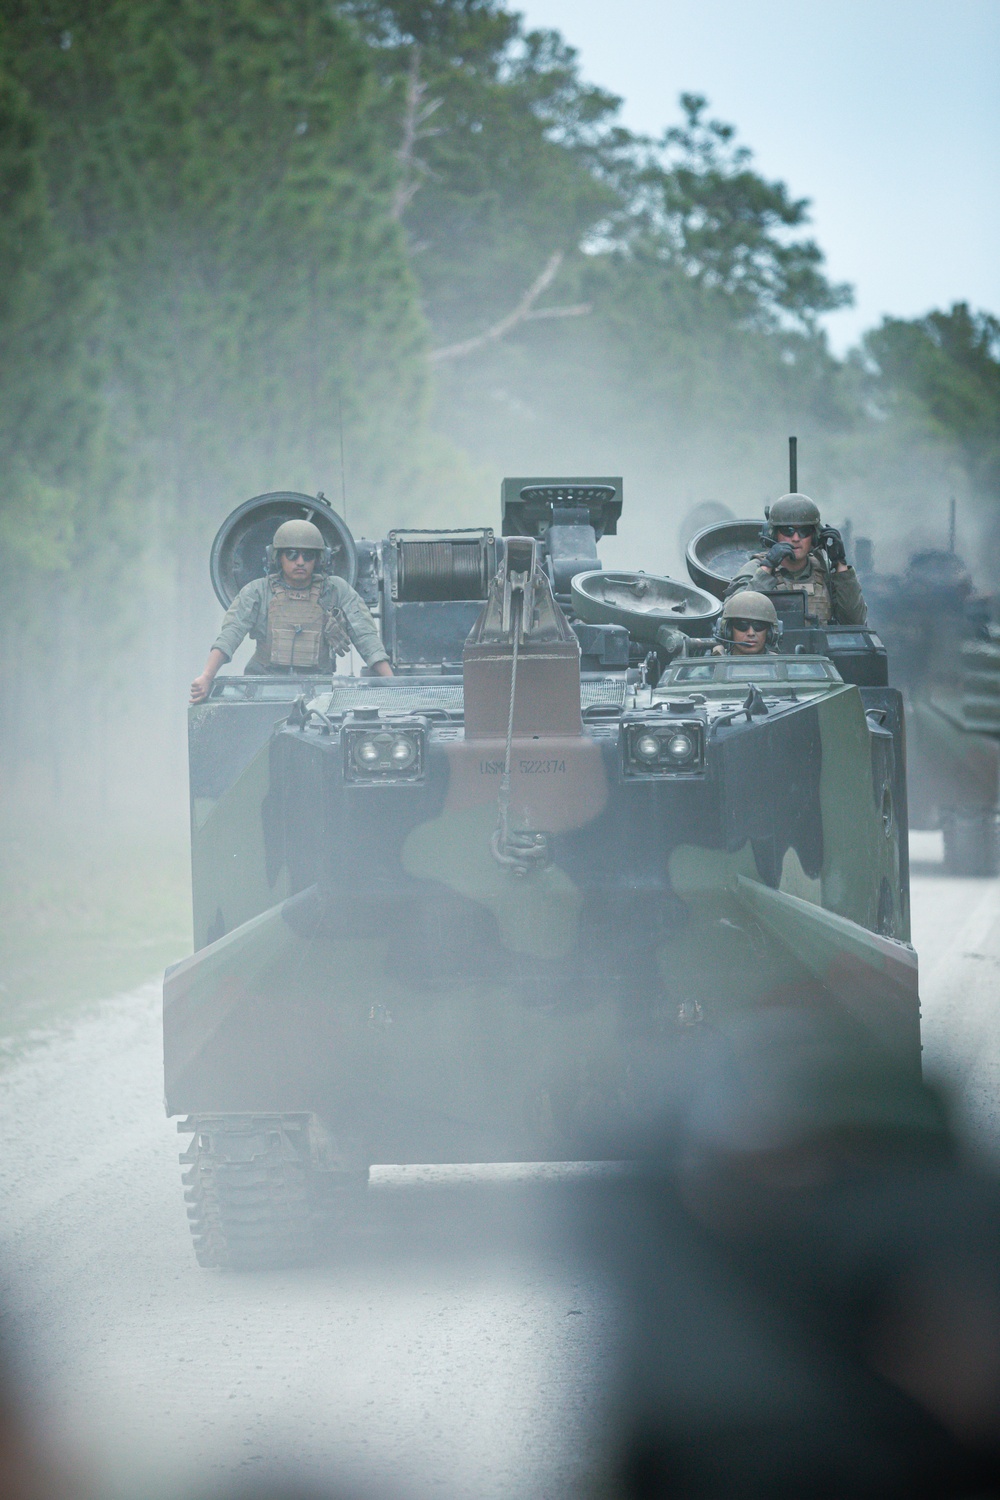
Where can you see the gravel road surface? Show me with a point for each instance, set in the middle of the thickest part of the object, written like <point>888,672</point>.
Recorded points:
<point>447,1350</point>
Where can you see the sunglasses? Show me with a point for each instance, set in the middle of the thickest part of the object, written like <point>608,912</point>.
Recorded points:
<point>307,554</point>
<point>754,626</point>
<point>790,531</point>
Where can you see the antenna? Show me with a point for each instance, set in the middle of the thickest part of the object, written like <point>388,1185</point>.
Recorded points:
<point>343,474</point>
<point>951,525</point>
<point>793,464</point>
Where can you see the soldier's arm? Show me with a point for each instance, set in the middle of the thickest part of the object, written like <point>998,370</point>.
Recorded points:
<point>849,607</point>
<point>362,629</point>
<point>759,579</point>
<point>202,683</point>
<point>240,617</point>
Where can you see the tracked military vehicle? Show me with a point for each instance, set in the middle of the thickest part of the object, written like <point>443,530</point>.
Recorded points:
<point>475,912</point>
<point>945,659</point>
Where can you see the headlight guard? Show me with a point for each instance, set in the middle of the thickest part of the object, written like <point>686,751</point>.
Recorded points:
<point>384,751</point>
<point>654,746</point>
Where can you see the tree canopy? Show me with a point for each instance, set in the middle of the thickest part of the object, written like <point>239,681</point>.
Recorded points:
<point>948,364</point>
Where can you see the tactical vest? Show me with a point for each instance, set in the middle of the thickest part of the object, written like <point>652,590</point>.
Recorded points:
<point>300,635</point>
<point>295,636</point>
<point>814,583</point>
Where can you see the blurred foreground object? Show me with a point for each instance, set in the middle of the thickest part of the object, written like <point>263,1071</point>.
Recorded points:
<point>28,1469</point>
<point>811,1276</point>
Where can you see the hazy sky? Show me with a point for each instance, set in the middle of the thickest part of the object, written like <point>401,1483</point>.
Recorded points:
<point>886,113</point>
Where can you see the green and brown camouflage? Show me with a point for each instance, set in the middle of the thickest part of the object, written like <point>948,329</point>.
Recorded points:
<point>474,912</point>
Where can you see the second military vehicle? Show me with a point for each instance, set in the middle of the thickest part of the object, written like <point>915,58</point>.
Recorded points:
<point>475,912</point>
<point>937,631</point>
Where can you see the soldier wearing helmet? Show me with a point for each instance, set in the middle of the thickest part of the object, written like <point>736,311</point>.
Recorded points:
<point>301,616</point>
<point>808,557</point>
<point>748,625</point>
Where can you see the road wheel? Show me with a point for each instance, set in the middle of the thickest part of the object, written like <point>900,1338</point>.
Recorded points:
<point>247,1187</point>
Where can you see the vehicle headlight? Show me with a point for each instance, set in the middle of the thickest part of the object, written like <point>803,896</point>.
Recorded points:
<point>385,753</point>
<point>664,749</point>
<point>403,752</point>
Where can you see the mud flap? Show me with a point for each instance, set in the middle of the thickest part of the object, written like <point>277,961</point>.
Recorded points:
<point>204,991</point>
<point>874,978</point>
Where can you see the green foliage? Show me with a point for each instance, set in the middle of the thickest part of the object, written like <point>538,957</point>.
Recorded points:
<point>948,363</point>
<point>691,298</point>
<point>48,417</point>
<point>686,299</point>
<point>696,203</point>
<point>84,915</point>
<point>497,141</point>
<point>222,168</point>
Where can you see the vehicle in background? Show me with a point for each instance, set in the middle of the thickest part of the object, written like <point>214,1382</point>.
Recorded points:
<point>945,660</point>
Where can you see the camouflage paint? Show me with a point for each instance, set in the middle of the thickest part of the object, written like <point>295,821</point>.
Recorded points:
<point>430,1005</point>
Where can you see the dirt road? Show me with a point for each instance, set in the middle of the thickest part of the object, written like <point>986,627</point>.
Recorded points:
<point>468,1363</point>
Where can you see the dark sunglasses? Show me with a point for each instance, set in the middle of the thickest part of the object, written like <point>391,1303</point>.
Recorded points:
<point>307,554</point>
<point>754,625</point>
<point>790,531</point>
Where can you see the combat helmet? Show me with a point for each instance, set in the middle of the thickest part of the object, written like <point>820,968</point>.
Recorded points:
<point>793,509</point>
<point>299,532</point>
<point>748,604</point>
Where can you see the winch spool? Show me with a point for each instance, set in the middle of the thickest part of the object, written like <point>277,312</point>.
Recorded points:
<point>441,568</point>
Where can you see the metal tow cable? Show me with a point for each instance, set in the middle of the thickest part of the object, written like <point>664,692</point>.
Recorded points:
<point>525,851</point>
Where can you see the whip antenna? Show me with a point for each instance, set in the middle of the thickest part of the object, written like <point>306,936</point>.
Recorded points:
<point>343,475</point>
<point>793,464</point>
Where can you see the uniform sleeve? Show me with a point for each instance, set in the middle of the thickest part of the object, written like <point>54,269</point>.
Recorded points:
<point>360,625</point>
<point>240,617</point>
<point>758,579</point>
<point>849,607</point>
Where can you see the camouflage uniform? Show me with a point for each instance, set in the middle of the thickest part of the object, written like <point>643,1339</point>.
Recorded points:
<point>299,629</point>
<point>830,596</point>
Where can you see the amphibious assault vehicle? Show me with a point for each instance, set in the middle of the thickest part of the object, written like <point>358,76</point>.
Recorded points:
<point>478,911</point>
<point>945,659</point>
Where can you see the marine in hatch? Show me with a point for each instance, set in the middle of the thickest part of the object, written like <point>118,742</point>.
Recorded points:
<point>805,556</point>
<point>748,626</point>
<point>300,615</point>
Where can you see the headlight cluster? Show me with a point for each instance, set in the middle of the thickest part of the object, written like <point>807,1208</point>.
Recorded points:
<point>664,749</point>
<point>383,752</point>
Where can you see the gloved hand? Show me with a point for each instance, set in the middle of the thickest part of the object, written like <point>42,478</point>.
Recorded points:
<point>776,555</point>
<point>338,636</point>
<point>833,545</point>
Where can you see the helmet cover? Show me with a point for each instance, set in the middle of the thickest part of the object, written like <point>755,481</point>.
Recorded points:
<point>793,510</point>
<point>748,604</point>
<point>298,533</point>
